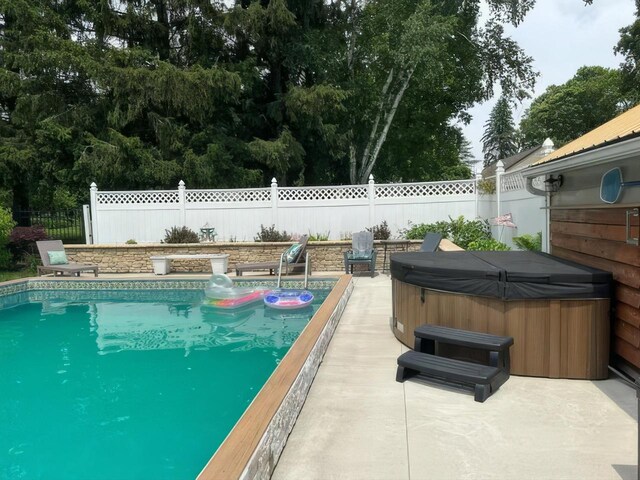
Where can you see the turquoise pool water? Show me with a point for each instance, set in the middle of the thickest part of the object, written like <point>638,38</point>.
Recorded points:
<point>129,385</point>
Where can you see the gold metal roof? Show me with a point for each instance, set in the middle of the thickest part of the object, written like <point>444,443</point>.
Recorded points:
<point>624,125</point>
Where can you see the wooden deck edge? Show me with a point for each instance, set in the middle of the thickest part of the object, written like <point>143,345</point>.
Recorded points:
<point>252,448</point>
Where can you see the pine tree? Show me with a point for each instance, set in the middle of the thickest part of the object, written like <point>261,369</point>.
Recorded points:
<point>139,94</point>
<point>500,139</point>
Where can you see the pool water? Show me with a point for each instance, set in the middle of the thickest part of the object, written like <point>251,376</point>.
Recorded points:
<point>105,386</point>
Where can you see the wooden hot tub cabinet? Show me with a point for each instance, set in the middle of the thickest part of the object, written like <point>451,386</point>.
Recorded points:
<point>553,337</point>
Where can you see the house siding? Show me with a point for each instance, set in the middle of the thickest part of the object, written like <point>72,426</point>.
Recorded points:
<point>597,237</point>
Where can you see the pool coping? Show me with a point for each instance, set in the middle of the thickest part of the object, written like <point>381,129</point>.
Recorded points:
<point>252,448</point>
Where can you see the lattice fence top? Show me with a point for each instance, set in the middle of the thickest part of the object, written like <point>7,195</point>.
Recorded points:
<point>138,198</point>
<point>400,190</point>
<point>228,196</point>
<point>351,192</point>
<point>512,182</point>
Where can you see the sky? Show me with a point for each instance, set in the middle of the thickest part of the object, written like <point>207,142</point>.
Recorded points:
<point>561,36</point>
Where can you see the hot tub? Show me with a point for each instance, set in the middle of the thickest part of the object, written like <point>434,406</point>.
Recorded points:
<point>557,311</point>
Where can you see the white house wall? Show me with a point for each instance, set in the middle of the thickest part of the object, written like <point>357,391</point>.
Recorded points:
<point>582,186</point>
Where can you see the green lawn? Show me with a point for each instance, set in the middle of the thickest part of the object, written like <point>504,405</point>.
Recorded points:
<point>4,275</point>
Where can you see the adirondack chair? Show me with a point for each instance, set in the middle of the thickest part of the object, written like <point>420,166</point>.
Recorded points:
<point>361,253</point>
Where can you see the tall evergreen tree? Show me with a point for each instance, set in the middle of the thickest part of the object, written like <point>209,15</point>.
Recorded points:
<point>143,93</point>
<point>500,138</point>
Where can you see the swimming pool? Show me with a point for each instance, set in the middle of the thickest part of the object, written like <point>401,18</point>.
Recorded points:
<point>128,382</point>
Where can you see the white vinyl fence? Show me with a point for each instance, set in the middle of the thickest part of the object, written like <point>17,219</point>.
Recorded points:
<point>527,210</point>
<point>336,211</point>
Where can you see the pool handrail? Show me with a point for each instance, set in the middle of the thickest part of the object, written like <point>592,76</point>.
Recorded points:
<point>306,269</point>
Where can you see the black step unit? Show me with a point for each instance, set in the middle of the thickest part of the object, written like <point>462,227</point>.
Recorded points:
<point>484,379</point>
<point>428,337</point>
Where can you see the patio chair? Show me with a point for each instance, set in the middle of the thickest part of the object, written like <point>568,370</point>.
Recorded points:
<point>430,242</point>
<point>54,259</point>
<point>361,253</point>
<point>294,259</point>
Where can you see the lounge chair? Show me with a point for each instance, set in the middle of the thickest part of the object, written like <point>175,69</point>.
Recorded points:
<point>430,242</point>
<point>54,260</point>
<point>294,259</point>
<point>361,253</point>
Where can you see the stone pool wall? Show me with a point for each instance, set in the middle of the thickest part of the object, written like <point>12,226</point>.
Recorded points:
<point>123,258</point>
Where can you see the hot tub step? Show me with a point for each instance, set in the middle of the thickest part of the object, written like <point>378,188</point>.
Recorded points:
<point>485,379</point>
<point>429,336</point>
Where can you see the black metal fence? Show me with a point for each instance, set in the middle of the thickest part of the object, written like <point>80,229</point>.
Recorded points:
<point>65,225</point>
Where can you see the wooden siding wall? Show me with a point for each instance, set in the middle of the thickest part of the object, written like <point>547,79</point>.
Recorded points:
<point>596,237</point>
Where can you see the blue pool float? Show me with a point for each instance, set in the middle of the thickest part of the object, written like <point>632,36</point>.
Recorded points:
<point>288,299</point>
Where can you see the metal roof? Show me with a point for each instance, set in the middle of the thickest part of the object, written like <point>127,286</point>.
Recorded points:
<point>509,162</point>
<point>622,127</point>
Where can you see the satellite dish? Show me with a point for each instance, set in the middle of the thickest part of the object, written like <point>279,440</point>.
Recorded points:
<point>611,185</point>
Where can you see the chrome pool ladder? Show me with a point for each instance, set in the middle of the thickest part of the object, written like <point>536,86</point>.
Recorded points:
<point>306,269</point>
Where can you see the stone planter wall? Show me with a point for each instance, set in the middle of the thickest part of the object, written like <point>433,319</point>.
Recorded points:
<point>123,258</point>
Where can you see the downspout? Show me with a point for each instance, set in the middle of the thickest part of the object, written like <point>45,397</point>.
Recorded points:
<point>533,190</point>
<point>547,148</point>
<point>546,244</point>
<point>547,223</point>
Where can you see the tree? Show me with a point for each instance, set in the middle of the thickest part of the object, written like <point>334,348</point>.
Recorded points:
<point>629,47</point>
<point>143,93</point>
<point>500,138</point>
<point>435,52</point>
<point>93,91</point>
<point>565,112</point>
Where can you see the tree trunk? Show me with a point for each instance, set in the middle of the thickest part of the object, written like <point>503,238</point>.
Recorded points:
<point>374,130</point>
<point>376,141</point>
<point>163,30</point>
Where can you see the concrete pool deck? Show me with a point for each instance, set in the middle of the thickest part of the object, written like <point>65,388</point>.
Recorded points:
<point>359,423</point>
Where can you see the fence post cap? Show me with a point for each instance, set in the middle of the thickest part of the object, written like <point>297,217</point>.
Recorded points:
<point>181,183</point>
<point>499,167</point>
<point>274,182</point>
<point>93,186</point>
<point>371,178</point>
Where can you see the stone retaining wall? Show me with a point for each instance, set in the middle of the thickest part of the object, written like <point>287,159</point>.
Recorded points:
<point>123,258</point>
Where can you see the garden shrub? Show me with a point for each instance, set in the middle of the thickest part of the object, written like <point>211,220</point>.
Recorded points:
<point>380,232</point>
<point>31,262</point>
<point>460,231</point>
<point>490,244</point>
<point>529,242</point>
<point>463,232</point>
<point>22,241</point>
<point>270,234</point>
<point>6,225</point>
<point>418,231</point>
<point>487,186</point>
<point>131,241</point>
<point>319,237</point>
<point>181,235</point>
